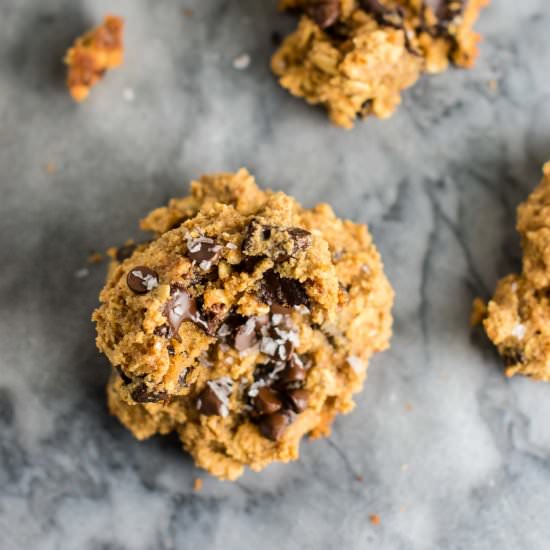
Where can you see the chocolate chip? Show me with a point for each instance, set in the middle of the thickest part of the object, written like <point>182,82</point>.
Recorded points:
<point>267,401</point>
<point>245,336</point>
<point>275,289</point>
<point>248,264</point>
<point>214,399</point>
<point>142,279</point>
<point>141,394</point>
<point>324,12</point>
<point>124,252</point>
<point>204,251</point>
<point>301,239</point>
<point>278,309</point>
<point>274,425</point>
<point>163,330</point>
<point>125,378</point>
<point>209,403</point>
<point>181,307</point>
<point>170,349</point>
<point>294,373</point>
<point>512,356</point>
<point>298,399</point>
<point>213,316</point>
<point>255,232</point>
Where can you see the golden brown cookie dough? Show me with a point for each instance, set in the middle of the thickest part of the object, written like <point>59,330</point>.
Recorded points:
<point>355,56</point>
<point>518,317</point>
<point>245,324</point>
<point>92,54</point>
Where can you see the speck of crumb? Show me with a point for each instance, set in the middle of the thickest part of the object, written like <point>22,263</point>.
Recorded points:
<point>128,94</point>
<point>359,477</point>
<point>374,519</point>
<point>188,12</point>
<point>241,62</point>
<point>197,484</point>
<point>408,407</point>
<point>493,85</point>
<point>95,258</point>
<point>82,273</point>
<point>51,168</point>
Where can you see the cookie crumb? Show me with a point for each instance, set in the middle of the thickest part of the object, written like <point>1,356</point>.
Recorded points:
<point>197,484</point>
<point>241,62</point>
<point>359,478</point>
<point>493,85</point>
<point>374,519</point>
<point>408,407</point>
<point>95,258</point>
<point>188,12</point>
<point>478,313</point>
<point>51,168</point>
<point>92,54</point>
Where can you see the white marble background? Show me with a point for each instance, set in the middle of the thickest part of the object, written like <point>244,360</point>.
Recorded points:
<point>452,454</point>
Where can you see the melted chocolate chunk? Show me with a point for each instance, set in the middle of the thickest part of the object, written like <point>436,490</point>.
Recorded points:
<point>294,374</point>
<point>204,251</point>
<point>142,279</point>
<point>324,12</point>
<point>245,335</point>
<point>267,401</point>
<point>301,239</point>
<point>142,395</point>
<point>214,399</point>
<point>213,317</point>
<point>274,425</point>
<point>179,308</point>
<point>298,400</point>
<point>209,403</point>
<point>279,290</point>
<point>124,252</point>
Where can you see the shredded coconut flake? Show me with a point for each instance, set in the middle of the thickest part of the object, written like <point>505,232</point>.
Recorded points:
<point>241,62</point>
<point>519,331</point>
<point>356,364</point>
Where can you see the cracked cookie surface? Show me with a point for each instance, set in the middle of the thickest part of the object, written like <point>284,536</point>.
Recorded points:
<point>245,324</point>
<point>356,56</point>
<point>517,318</point>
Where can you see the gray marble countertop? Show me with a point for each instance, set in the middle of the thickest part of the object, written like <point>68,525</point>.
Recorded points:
<point>452,454</point>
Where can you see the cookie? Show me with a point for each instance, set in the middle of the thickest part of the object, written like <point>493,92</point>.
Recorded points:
<point>517,319</point>
<point>356,56</point>
<point>92,54</point>
<point>246,323</point>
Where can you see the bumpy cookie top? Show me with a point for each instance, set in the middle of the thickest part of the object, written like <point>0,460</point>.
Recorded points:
<point>247,314</point>
<point>518,316</point>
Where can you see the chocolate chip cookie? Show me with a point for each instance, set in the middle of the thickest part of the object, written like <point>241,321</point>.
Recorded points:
<point>246,323</point>
<point>92,55</point>
<point>517,319</point>
<point>355,56</point>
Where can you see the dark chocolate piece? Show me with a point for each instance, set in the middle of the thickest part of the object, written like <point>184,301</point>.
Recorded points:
<point>267,401</point>
<point>324,12</point>
<point>124,252</point>
<point>142,279</point>
<point>141,394</point>
<point>274,425</point>
<point>298,399</point>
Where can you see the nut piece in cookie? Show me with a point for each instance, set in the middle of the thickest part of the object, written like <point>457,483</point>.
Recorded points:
<point>517,318</point>
<point>230,327</point>
<point>92,54</point>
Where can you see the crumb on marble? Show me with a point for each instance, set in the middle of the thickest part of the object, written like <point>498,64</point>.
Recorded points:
<point>95,258</point>
<point>478,313</point>
<point>241,62</point>
<point>359,478</point>
<point>408,407</point>
<point>188,12</point>
<point>92,55</point>
<point>51,168</point>
<point>374,519</point>
<point>197,484</point>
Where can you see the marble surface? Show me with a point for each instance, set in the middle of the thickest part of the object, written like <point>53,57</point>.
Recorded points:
<point>452,455</point>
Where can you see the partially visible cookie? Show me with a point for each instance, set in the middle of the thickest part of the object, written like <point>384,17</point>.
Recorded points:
<point>92,54</point>
<point>518,317</point>
<point>247,323</point>
<point>356,56</point>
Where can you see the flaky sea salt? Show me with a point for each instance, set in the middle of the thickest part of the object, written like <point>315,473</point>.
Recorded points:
<point>519,331</point>
<point>356,364</point>
<point>241,62</point>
